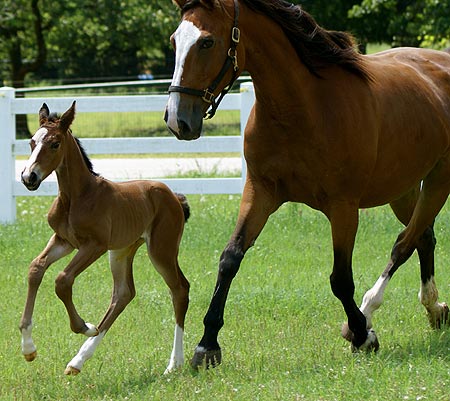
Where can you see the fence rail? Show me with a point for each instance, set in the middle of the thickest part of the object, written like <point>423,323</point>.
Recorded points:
<point>10,147</point>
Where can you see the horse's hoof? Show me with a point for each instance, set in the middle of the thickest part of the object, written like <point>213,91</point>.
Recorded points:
<point>440,319</point>
<point>31,357</point>
<point>206,358</point>
<point>371,343</point>
<point>346,332</point>
<point>91,330</point>
<point>71,371</point>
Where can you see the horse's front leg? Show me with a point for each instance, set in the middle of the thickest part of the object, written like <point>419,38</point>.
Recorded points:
<point>344,224</point>
<point>256,206</point>
<point>55,249</point>
<point>86,255</point>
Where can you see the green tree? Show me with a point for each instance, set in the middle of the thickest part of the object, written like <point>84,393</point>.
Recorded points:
<point>403,22</point>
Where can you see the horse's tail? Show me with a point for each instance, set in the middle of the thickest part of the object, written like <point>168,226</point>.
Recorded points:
<point>185,205</point>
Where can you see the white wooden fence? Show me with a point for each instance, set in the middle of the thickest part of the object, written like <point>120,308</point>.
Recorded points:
<point>10,147</point>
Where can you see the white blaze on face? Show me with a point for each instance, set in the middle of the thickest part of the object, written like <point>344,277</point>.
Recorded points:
<point>185,37</point>
<point>38,139</point>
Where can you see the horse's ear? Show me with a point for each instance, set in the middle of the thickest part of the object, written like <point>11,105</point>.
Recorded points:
<point>43,114</point>
<point>179,3</point>
<point>67,118</point>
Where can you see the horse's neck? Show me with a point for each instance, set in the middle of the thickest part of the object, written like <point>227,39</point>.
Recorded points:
<point>281,81</point>
<point>73,174</point>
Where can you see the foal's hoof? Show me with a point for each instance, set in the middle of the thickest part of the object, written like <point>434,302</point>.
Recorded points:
<point>90,330</point>
<point>31,357</point>
<point>440,319</point>
<point>71,371</point>
<point>206,358</point>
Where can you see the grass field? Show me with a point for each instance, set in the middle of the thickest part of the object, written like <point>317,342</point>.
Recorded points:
<point>281,337</point>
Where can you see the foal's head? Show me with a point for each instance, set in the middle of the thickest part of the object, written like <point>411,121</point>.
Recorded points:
<point>47,146</point>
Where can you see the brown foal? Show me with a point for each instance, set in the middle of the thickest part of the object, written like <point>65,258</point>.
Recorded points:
<point>95,215</point>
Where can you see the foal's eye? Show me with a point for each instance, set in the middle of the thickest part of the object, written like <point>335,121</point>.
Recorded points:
<point>206,43</point>
<point>55,145</point>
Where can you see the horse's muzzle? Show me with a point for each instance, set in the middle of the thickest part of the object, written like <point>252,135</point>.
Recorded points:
<point>183,129</point>
<point>30,180</point>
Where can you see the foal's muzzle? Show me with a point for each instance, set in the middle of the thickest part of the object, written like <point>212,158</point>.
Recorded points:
<point>31,180</point>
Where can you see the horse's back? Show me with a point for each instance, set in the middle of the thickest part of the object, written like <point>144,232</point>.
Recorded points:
<point>416,73</point>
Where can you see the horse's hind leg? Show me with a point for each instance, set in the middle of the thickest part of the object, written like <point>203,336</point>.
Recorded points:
<point>419,234</point>
<point>121,263</point>
<point>55,249</point>
<point>403,208</point>
<point>438,313</point>
<point>162,246</point>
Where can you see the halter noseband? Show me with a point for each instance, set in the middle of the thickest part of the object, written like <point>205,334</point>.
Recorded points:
<point>231,61</point>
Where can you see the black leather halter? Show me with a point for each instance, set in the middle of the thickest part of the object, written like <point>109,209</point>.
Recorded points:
<point>231,61</point>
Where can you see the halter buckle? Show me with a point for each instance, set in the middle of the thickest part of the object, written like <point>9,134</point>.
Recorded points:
<point>235,34</point>
<point>208,96</point>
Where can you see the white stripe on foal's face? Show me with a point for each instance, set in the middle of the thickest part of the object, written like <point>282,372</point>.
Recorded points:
<point>185,37</point>
<point>38,139</point>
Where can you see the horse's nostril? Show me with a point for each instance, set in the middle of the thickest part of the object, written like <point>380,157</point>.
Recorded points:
<point>32,178</point>
<point>183,127</point>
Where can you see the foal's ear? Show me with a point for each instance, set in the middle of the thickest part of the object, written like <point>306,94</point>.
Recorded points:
<point>67,118</point>
<point>43,114</point>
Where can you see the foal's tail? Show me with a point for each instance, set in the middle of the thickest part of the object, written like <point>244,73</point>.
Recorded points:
<point>185,205</point>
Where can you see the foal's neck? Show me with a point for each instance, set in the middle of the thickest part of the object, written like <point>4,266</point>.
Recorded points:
<point>74,176</point>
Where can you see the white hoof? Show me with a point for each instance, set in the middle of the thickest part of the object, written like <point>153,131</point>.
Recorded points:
<point>371,343</point>
<point>92,331</point>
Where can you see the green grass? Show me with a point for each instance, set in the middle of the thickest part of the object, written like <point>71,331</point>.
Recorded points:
<point>281,337</point>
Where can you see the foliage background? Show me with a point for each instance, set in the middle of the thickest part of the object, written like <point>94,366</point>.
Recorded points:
<point>81,40</point>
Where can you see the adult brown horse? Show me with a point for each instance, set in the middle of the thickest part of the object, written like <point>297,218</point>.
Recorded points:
<point>95,215</point>
<point>330,128</point>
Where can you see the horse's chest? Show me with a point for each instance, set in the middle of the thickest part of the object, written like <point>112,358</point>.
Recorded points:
<point>60,221</point>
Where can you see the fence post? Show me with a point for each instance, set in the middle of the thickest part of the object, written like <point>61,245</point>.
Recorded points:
<point>7,158</point>
<point>247,100</point>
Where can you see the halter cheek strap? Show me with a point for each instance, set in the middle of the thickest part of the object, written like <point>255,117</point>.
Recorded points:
<point>230,62</point>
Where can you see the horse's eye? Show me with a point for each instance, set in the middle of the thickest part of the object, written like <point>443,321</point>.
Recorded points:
<point>206,43</point>
<point>32,144</point>
<point>55,145</point>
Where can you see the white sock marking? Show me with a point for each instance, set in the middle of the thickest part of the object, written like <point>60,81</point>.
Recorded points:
<point>177,356</point>
<point>28,346</point>
<point>86,351</point>
<point>373,299</point>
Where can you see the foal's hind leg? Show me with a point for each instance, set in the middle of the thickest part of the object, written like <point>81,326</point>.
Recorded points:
<point>55,250</point>
<point>162,246</point>
<point>121,262</point>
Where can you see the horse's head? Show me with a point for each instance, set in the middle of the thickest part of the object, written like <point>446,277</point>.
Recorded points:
<point>206,62</point>
<point>47,146</point>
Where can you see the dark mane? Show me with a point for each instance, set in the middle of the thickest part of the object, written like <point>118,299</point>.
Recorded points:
<point>316,47</point>
<point>86,159</point>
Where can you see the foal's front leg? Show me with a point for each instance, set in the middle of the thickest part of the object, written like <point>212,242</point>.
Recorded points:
<point>55,249</point>
<point>86,255</point>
